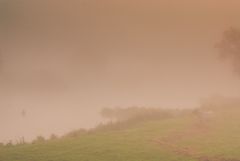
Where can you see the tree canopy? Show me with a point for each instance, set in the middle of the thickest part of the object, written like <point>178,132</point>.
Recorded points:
<point>229,47</point>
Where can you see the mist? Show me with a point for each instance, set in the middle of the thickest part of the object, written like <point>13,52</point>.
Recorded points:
<point>61,62</point>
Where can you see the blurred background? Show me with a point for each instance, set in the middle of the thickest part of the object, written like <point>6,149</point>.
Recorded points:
<point>62,61</point>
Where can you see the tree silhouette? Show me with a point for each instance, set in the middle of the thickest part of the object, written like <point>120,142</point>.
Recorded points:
<point>229,47</point>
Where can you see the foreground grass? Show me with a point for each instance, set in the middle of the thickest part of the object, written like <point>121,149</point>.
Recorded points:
<point>173,139</point>
<point>220,138</point>
<point>133,144</point>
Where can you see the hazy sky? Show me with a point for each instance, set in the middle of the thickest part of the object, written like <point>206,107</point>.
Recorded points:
<point>63,60</point>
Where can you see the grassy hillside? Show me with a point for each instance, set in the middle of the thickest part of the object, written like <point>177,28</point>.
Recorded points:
<point>181,138</point>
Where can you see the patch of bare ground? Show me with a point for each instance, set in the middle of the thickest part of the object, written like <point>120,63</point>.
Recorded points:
<point>195,130</point>
<point>190,152</point>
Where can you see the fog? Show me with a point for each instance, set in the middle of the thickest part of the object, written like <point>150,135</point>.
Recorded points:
<point>62,61</point>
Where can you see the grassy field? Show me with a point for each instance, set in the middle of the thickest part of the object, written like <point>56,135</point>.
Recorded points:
<point>182,138</point>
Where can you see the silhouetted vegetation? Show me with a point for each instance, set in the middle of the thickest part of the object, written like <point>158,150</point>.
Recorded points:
<point>39,139</point>
<point>21,141</point>
<point>75,133</point>
<point>121,118</point>
<point>229,47</point>
<point>139,113</point>
<point>53,137</point>
<point>146,133</point>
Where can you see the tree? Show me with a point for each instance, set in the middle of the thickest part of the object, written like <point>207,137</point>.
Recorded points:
<point>53,137</point>
<point>39,139</point>
<point>108,113</point>
<point>229,47</point>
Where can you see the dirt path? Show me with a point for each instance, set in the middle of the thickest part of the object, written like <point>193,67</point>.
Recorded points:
<point>170,143</point>
<point>188,152</point>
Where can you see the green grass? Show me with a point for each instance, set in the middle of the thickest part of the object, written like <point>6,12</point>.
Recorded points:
<point>220,138</point>
<point>139,142</point>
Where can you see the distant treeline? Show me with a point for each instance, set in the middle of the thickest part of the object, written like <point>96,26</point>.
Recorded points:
<point>124,118</point>
<point>117,118</point>
<point>139,113</point>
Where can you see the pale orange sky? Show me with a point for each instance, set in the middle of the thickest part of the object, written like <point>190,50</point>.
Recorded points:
<point>64,60</point>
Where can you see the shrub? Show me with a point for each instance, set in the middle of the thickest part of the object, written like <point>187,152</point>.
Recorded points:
<point>75,133</point>
<point>53,137</point>
<point>39,139</point>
